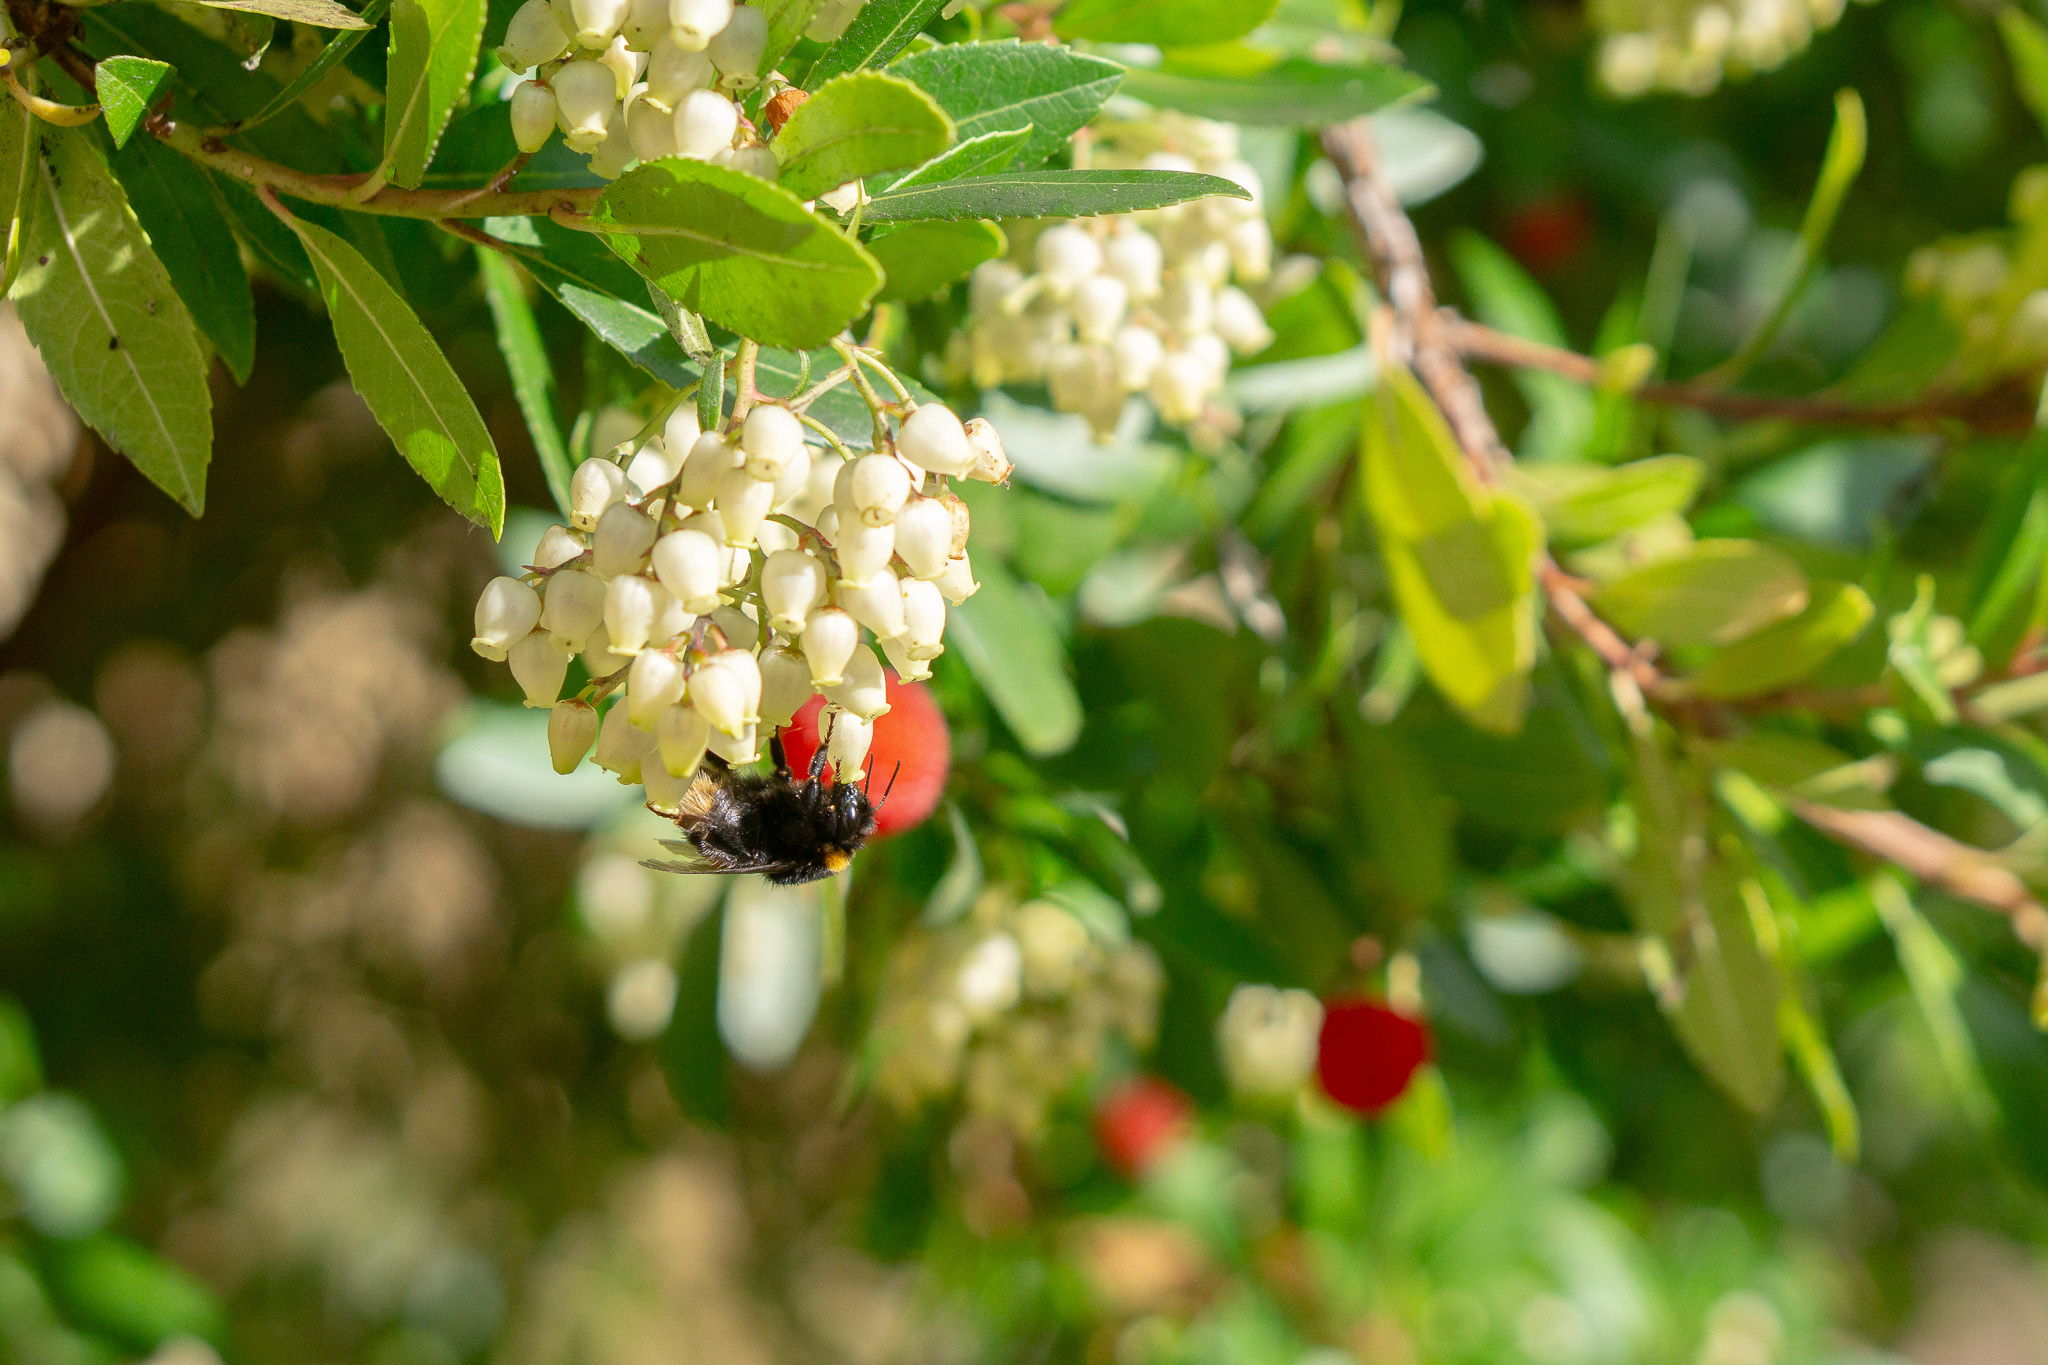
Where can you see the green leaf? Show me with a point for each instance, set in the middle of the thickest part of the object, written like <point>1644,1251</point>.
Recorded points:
<point>924,258</point>
<point>410,387</point>
<point>178,210</point>
<point>1006,635</point>
<point>1561,412</point>
<point>337,49</point>
<point>526,356</point>
<point>1916,650</point>
<point>685,326</point>
<point>17,176</point>
<point>434,45</point>
<point>100,307</point>
<point>1292,93</point>
<point>1460,557</point>
<point>1047,194</point>
<point>1583,504</point>
<point>1047,92</point>
<point>116,1287</point>
<point>126,87</point>
<point>1163,23</point>
<point>1713,593</point>
<point>787,20</point>
<point>1781,654</point>
<point>2026,46</point>
<point>319,13</point>
<point>744,254</point>
<point>984,155</point>
<point>882,29</point>
<point>855,126</point>
<point>1406,816</point>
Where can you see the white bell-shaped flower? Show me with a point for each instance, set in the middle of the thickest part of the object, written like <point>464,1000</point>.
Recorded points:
<point>740,749</point>
<point>794,476</point>
<point>710,458</point>
<point>598,21</point>
<point>1098,306</point>
<point>793,585</point>
<point>862,551</point>
<point>689,563</point>
<point>924,619</point>
<point>744,666</point>
<point>620,745</point>
<point>534,36</point>
<point>670,620</point>
<point>847,740</point>
<point>586,93</point>
<point>539,665</point>
<point>805,503</point>
<point>1066,255</point>
<point>652,131</point>
<point>631,605</point>
<point>694,23</point>
<point>1180,387</point>
<point>924,536</point>
<point>877,487</point>
<point>736,50</point>
<point>680,734</point>
<point>743,501</point>
<point>991,284</point>
<point>610,158</point>
<point>1079,378</point>
<point>829,638</point>
<point>505,613</point>
<point>1250,245</point>
<point>705,123</point>
<point>934,439</point>
<point>991,462</point>
<point>598,659</point>
<point>646,24</point>
<point>558,545</point>
<point>1134,256</point>
<point>957,583</point>
<point>1188,306</point>
<point>572,607</point>
<point>785,686</point>
<point>719,693</point>
<point>624,536</point>
<point>572,728</point>
<point>770,438</point>
<point>665,794</point>
<point>673,72</point>
<point>736,624</point>
<point>595,485</point>
<point>1134,355</point>
<point>877,604</point>
<point>758,161</point>
<point>1240,323</point>
<point>534,112</point>
<point>864,690</point>
<point>907,668</point>
<point>654,682</point>
<point>772,536</point>
<point>1267,1038</point>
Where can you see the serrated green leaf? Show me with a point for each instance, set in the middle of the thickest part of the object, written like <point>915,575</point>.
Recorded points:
<point>1728,1016</point>
<point>1047,92</point>
<point>855,126</point>
<point>126,87</point>
<point>882,29</point>
<point>1713,593</point>
<point>1007,638</point>
<point>924,258</point>
<point>1046,194</point>
<point>526,357</point>
<point>408,384</point>
<point>1293,93</point>
<point>1163,23</point>
<point>319,13</point>
<point>1583,504</point>
<point>787,20</point>
<point>178,210</point>
<point>100,307</point>
<point>984,155</point>
<point>17,172</point>
<point>1781,654</point>
<point>744,254</point>
<point>434,46</point>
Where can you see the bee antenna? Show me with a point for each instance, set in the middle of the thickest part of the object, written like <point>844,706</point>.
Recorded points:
<point>892,783</point>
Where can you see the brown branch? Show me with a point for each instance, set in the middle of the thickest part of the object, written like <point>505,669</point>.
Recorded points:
<point>1935,859</point>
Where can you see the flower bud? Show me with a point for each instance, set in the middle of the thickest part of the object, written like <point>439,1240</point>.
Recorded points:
<point>1067,254</point>
<point>877,487</point>
<point>861,551</point>
<point>792,586</point>
<point>505,614</point>
<point>1240,323</point>
<point>586,93</point>
<point>1134,355</point>
<point>670,620</point>
<point>907,668</point>
<point>743,501</point>
<point>924,619</point>
<point>624,536</point>
<point>785,686</point>
<point>772,536</point>
<point>1268,1039</point>
<point>621,747</point>
<point>539,664</point>
<point>828,639</point>
<point>680,432</point>
<point>739,749</point>
<point>680,734</point>
<point>709,460</point>
<point>598,21</point>
<point>532,37</point>
<point>720,695</point>
<point>688,564</point>
<point>558,545</point>
<point>770,438</point>
<point>655,463</point>
<point>1134,257</point>
<point>878,604</point>
<point>596,485</point>
<point>934,438</point>
<point>1098,306</point>
<point>924,536</point>
<point>863,691</point>
<point>572,607</point>
<point>1208,348</point>
<point>631,604</point>
<point>534,113</point>
<point>572,726</point>
<point>957,583</point>
<point>705,123</point>
<point>673,72</point>
<point>694,23</point>
<point>1180,387</point>
<point>736,50</point>
<point>848,738</point>
<point>651,129</point>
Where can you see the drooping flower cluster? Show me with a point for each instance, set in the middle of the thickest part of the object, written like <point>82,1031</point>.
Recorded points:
<point>730,576</point>
<point>1012,1006</point>
<point>631,80</point>
<point>1687,46</point>
<point>1993,287</point>
<point>1149,302</point>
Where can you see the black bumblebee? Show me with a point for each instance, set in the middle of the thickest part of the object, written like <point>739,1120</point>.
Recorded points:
<point>790,832</point>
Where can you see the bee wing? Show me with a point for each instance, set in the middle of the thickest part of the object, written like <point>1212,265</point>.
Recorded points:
<point>705,869</point>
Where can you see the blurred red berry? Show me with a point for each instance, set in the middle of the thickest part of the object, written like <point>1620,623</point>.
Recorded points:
<point>911,732</point>
<point>1548,233</point>
<point>1140,1122</point>
<point>1368,1053</point>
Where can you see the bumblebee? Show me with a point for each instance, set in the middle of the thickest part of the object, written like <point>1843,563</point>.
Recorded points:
<point>790,832</point>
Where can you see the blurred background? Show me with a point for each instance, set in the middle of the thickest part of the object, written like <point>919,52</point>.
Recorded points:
<point>337,1028</point>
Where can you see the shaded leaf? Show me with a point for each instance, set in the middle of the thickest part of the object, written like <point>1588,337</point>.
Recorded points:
<point>1163,23</point>
<point>319,13</point>
<point>126,87</point>
<point>1047,194</point>
<point>337,49</point>
<point>434,46</point>
<point>787,20</point>
<point>1508,299</point>
<point>1292,93</point>
<point>1783,653</point>
<point>1713,592</point>
<point>923,258</point>
<point>133,1295</point>
<point>1006,636</point>
<point>1045,91</point>
<point>882,29</point>
<point>984,155</point>
<point>17,174</point>
<point>1582,503</point>
<point>2026,46</point>
<point>855,126</point>
<point>178,210</point>
<point>533,378</point>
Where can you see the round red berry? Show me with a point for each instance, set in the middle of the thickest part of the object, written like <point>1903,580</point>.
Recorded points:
<point>912,732</point>
<point>1140,1122</point>
<point>1368,1053</point>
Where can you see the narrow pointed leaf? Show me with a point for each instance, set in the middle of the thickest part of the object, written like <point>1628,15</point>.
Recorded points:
<point>984,155</point>
<point>183,219</point>
<point>526,357</point>
<point>1292,94</point>
<point>882,29</point>
<point>1047,194</point>
<point>409,385</point>
<point>924,258</point>
<point>319,13</point>
<point>1714,593</point>
<point>1006,635</point>
<point>856,126</point>
<point>434,45</point>
<point>17,172</point>
<point>1781,654</point>
<point>100,307</point>
<point>1048,92</point>
<point>1163,23</point>
<point>787,20</point>
<point>126,87</point>
<point>338,47</point>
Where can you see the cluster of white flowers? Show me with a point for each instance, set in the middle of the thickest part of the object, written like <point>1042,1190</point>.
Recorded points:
<point>1687,46</point>
<point>1011,1006</point>
<point>632,80</point>
<point>1267,1038</point>
<point>1148,302</point>
<point>718,579</point>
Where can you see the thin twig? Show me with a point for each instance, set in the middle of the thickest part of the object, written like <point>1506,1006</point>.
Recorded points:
<point>1935,859</point>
